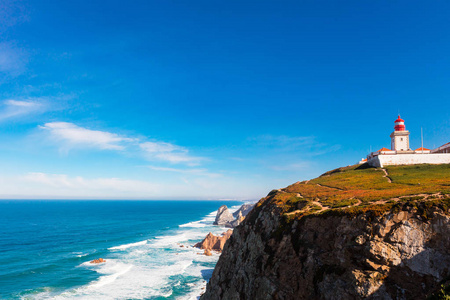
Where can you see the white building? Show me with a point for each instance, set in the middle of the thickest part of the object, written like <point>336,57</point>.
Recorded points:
<point>442,149</point>
<point>401,153</point>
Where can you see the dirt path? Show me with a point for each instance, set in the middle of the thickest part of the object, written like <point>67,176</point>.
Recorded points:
<point>356,204</point>
<point>386,175</point>
<point>322,208</point>
<point>427,197</point>
<point>330,187</point>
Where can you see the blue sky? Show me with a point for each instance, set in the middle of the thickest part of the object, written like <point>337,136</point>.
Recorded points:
<point>210,99</point>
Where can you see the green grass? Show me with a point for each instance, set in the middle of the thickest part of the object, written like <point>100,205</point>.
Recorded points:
<point>355,189</point>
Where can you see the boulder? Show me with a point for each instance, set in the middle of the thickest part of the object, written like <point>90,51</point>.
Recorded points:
<point>214,242</point>
<point>224,216</point>
<point>97,261</point>
<point>207,252</point>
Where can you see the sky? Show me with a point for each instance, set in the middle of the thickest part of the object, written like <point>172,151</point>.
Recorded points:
<point>210,99</point>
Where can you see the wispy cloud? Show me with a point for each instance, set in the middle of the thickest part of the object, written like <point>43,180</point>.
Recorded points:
<point>199,172</point>
<point>17,108</point>
<point>302,145</point>
<point>28,109</point>
<point>69,136</point>
<point>13,60</point>
<point>40,185</point>
<point>73,136</point>
<point>11,13</point>
<point>78,185</point>
<point>281,141</point>
<point>169,152</point>
<point>324,149</point>
<point>293,167</point>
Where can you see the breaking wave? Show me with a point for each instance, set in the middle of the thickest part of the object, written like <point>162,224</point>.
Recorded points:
<point>163,266</point>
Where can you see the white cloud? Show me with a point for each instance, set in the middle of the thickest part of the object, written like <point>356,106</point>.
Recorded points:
<point>26,109</point>
<point>72,136</point>
<point>199,172</point>
<point>38,185</point>
<point>17,108</point>
<point>54,185</point>
<point>69,136</point>
<point>169,152</point>
<point>158,147</point>
<point>18,103</point>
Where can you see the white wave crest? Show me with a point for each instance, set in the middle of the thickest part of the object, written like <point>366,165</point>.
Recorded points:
<point>196,224</point>
<point>154,268</point>
<point>80,254</point>
<point>117,270</point>
<point>126,246</point>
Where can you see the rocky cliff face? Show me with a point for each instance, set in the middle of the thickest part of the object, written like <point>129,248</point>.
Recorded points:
<point>397,249</point>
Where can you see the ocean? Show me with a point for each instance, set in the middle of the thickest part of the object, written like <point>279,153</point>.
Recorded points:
<point>46,246</point>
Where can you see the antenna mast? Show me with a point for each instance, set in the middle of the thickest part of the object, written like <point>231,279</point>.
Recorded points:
<point>421,136</point>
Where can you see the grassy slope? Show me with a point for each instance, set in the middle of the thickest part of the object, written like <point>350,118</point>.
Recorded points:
<point>355,189</point>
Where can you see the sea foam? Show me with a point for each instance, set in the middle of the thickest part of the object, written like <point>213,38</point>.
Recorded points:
<point>157,267</point>
<point>126,246</point>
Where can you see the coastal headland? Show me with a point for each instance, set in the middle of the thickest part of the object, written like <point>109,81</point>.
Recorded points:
<point>354,232</point>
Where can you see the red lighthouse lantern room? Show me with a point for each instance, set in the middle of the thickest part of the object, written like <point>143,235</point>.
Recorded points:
<point>399,124</point>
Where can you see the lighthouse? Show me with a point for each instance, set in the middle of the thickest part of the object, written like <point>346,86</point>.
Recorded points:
<point>401,153</point>
<point>400,137</point>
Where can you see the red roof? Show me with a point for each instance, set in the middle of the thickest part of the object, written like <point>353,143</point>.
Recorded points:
<point>399,119</point>
<point>384,149</point>
<point>421,148</point>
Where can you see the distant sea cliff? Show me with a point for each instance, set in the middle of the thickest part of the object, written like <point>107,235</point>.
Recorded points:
<point>351,233</point>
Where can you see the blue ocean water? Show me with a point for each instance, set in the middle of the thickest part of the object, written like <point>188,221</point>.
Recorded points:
<point>46,246</point>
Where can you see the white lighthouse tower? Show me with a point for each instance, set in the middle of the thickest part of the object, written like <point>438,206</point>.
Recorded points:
<point>400,137</point>
<point>401,153</point>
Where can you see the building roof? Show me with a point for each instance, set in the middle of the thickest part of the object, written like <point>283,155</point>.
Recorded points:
<point>445,146</point>
<point>422,149</point>
<point>384,149</point>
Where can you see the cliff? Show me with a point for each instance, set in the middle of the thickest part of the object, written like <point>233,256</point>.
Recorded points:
<point>351,233</point>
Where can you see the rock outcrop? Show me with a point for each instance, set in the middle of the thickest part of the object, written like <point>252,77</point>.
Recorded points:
<point>398,249</point>
<point>225,218</point>
<point>97,261</point>
<point>243,210</point>
<point>214,242</point>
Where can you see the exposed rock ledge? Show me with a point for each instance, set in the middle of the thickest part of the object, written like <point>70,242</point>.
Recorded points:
<point>214,242</point>
<point>398,255</point>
